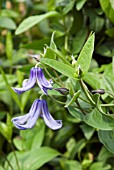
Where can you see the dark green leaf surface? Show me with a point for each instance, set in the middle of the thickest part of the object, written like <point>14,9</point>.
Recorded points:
<point>107,138</point>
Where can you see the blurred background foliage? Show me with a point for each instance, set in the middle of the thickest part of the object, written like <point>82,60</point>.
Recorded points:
<point>76,146</point>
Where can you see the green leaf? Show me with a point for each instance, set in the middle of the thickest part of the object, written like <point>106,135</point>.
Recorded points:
<point>33,20</point>
<point>1,168</point>
<point>107,8</point>
<point>112,3</point>
<point>28,141</point>
<point>85,56</point>
<point>78,40</point>
<point>68,7</point>
<point>9,46</point>
<point>38,138</point>
<point>36,44</point>
<point>49,53</point>
<point>31,160</point>
<point>11,79</point>
<point>95,80</point>
<point>74,98</point>
<point>13,94</point>
<point>110,32</point>
<point>6,129</point>
<point>107,139</point>
<point>99,121</point>
<point>9,13</point>
<point>77,148</point>
<point>7,23</point>
<point>87,131</point>
<point>80,4</point>
<point>59,66</point>
<point>100,166</point>
<point>106,49</point>
<point>52,44</point>
<point>71,165</point>
<point>104,154</point>
<point>41,156</point>
<point>76,113</point>
<point>64,134</point>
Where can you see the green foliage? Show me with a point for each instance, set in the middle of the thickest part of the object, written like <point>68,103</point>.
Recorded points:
<point>33,20</point>
<point>73,43</point>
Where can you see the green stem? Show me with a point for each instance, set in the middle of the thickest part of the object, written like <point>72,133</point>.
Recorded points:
<point>11,145</point>
<point>110,94</point>
<point>84,100</point>
<point>80,108</point>
<point>7,161</point>
<point>58,78</point>
<point>56,100</point>
<point>52,77</point>
<point>106,105</point>
<point>86,92</point>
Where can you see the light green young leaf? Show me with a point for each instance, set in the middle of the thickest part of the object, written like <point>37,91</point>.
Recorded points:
<point>52,43</point>
<point>28,141</point>
<point>100,166</point>
<point>107,138</point>
<point>9,13</point>
<point>6,129</point>
<point>7,23</point>
<point>107,8</point>
<point>78,147</point>
<point>31,160</point>
<point>13,94</point>
<point>9,46</point>
<point>49,53</point>
<point>41,156</point>
<point>85,56</point>
<point>59,66</point>
<point>80,4</point>
<point>112,3</point>
<point>68,7</point>
<point>71,164</point>
<point>1,168</point>
<point>74,98</point>
<point>33,20</point>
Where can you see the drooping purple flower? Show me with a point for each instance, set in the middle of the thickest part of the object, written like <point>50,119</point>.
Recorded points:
<point>28,121</point>
<point>48,119</point>
<point>36,75</point>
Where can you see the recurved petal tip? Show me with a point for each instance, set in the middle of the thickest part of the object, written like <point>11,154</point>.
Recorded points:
<point>49,120</point>
<point>43,83</point>
<point>28,121</point>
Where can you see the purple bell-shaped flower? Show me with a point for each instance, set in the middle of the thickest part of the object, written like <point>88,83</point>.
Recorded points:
<point>36,75</point>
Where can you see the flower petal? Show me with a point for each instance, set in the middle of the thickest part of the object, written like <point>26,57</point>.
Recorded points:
<point>28,121</point>
<point>27,84</point>
<point>49,120</point>
<point>43,83</point>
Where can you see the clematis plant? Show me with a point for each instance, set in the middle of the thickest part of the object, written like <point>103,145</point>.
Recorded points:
<point>38,108</point>
<point>36,75</point>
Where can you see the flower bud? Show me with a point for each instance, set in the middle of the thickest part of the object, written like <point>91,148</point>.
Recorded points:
<point>63,91</point>
<point>100,91</point>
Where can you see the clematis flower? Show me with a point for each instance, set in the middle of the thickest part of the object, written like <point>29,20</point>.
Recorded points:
<point>36,75</point>
<point>38,108</point>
